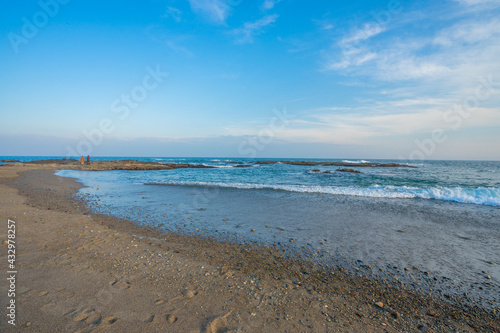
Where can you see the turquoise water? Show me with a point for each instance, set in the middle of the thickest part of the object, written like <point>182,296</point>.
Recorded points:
<point>472,182</point>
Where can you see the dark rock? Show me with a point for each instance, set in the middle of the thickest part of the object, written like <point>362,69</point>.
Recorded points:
<point>340,164</point>
<point>348,170</point>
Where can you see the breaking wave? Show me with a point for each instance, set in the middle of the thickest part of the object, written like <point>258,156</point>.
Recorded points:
<point>479,196</point>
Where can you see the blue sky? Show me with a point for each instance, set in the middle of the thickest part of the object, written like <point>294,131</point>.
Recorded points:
<point>360,79</point>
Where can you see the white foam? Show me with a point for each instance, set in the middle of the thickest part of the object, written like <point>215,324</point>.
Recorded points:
<point>480,196</point>
<point>357,162</point>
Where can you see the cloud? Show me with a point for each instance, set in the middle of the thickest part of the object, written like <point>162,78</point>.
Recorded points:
<point>323,24</point>
<point>468,32</point>
<point>367,32</point>
<point>174,13</point>
<point>171,39</point>
<point>353,52</point>
<point>269,4</point>
<point>452,54</point>
<point>357,58</point>
<point>172,44</point>
<point>364,125</point>
<point>216,11</point>
<point>478,2</point>
<point>246,33</point>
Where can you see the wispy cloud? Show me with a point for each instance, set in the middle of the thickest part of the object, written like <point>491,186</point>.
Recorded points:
<point>353,50</point>
<point>216,11</point>
<point>362,125</point>
<point>246,33</point>
<point>269,4</point>
<point>468,32</point>
<point>173,13</point>
<point>324,24</point>
<point>478,2</point>
<point>368,31</point>
<point>451,56</point>
<point>174,46</point>
<point>172,40</point>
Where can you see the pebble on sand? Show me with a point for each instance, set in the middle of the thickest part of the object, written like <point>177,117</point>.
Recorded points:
<point>379,304</point>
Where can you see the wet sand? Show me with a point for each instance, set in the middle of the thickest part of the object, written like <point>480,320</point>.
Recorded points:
<point>86,272</point>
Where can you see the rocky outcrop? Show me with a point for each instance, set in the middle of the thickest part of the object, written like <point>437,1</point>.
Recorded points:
<point>340,164</point>
<point>62,161</point>
<point>348,170</point>
<point>71,164</point>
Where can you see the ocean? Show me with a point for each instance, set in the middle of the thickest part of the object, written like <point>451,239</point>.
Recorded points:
<point>473,182</point>
<point>435,227</point>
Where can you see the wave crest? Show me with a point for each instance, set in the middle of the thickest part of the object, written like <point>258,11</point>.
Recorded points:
<point>479,196</point>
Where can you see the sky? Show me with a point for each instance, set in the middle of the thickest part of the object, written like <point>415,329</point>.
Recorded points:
<point>263,78</point>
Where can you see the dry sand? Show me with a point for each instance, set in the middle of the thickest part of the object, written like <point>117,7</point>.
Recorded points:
<point>84,272</point>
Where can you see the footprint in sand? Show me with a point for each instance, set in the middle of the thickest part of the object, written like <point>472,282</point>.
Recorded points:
<point>24,291</point>
<point>169,318</point>
<point>123,285</point>
<point>217,324</point>
<point>101,325</point>
<point>94,318</point>
<point>66,294</point>
<point>148,318</point>
<point>82,315</point>
<point>69,312</point>
<point>186,293</point>
<point>109,320</point>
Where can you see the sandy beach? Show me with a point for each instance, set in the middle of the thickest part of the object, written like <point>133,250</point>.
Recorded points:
<point>84,272</point>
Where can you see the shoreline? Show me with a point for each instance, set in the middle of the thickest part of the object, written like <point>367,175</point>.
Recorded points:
<point>134,165</point>
<point>250,287</point>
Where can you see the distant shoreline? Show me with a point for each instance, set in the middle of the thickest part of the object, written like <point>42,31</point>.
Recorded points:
<point>100,165</point>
